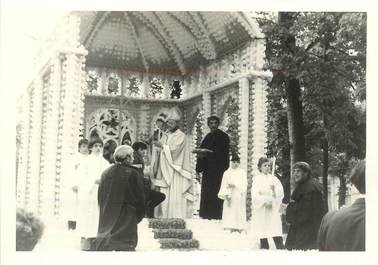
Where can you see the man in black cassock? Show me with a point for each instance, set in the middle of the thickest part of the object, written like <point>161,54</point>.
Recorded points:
<point>122,204</point>
<point>212,165</point>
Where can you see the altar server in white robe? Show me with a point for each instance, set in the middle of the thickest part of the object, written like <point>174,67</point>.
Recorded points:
<point>174,177</point>
<point>233,191</point>
<point>73,173</point>
<point>88,215</point>
<point>267,195</point>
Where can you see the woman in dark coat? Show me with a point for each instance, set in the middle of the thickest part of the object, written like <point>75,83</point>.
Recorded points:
<point>122,204</point>
<point>305,210</point>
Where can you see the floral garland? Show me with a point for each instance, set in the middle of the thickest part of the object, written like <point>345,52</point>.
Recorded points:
<point>166,223</point>
<point>173,233</point>
<point>173,243</point>
<point>157,88</point>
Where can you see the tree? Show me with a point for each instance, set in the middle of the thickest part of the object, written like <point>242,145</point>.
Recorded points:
<point>281,55</point>
<point>318,63</point>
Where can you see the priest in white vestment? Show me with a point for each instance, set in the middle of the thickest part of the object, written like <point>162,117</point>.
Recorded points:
<point>267,194</point>
<point>88,215</point>
<point>233,192</point>
<point>174,176</point>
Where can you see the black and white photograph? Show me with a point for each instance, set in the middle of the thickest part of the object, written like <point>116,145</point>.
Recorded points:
<point>188,132</point>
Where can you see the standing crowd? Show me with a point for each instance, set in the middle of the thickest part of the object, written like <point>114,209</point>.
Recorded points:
<point>112,190</point>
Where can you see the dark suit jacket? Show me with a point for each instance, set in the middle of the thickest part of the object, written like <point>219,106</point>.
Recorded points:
<point>344,230</point>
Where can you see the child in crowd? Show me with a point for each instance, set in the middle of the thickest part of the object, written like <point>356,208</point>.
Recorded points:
<point>88,215</point>
<point>74,174</point>
<point>267,195</point>
<point>233,191</point>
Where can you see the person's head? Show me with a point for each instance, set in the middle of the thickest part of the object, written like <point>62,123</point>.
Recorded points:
<point>126,142</point>
<point>83,146</point>
<point>160,123</point>
<point>357,177</point>
<point>301,172</point>
<point>173,119</point>
<point>29,230</point>
<point>124,155</point>
<point>140,147</point>
<point>95,146</point>
<point>172,125</point>
<point>235,161</point>
<point>108,152</point>
<point>264,165</point>
<point>213,123</point>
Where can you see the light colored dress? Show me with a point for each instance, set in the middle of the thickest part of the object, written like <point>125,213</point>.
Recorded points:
<point>234,212</point>
<point>266,222</point>
<point>74,172</point>
<point>88,215</point>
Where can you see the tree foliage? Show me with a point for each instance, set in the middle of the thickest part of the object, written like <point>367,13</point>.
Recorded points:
<point>329,61</point>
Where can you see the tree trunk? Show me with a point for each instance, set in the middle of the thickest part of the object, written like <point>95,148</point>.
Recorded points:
<point>343,167</point>
<point>342,191</point>
<point>293,93</point>
<point>325,171</point>
<point>295,125</point>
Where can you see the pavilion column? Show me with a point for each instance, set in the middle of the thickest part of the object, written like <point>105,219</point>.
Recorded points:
<point>145,86</point>
<point>143,122</point>
<point>167,85</point>
<point>23,153</point>
<point>48,158</point>
<point>34,149</point>
<point>72,112</point>
<point>206,104</point>
<point>243,121</point>
<point>259,112</point>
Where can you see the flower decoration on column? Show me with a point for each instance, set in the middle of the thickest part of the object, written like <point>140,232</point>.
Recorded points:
<point>259,121</point>
<point>82,97</point>
<point>206,104</point>
<point>260,54</point>
<point>243,121</point>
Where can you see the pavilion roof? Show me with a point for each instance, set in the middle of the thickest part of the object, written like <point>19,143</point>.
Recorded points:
<point>174,42</point>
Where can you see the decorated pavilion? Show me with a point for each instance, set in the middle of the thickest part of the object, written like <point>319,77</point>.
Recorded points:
<point>112,73</point>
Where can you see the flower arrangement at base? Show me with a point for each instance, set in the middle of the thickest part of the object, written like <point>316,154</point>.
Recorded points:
<point>173,243</point>
<point>173,233</point>
<point>166,223</point>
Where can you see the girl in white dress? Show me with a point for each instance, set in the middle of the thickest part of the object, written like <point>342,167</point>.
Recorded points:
<point>77,166</point>
<point>267,195</point>
<point>233,191</point>
<point>88,215</point>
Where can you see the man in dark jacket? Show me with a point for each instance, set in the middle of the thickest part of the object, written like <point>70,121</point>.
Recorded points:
<point>305,210</point>
<point>122,204</point>
<point>212,165</point>
<point>344,230</point>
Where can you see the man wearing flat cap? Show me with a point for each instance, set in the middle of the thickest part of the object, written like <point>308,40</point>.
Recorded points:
<point>122,203</point>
